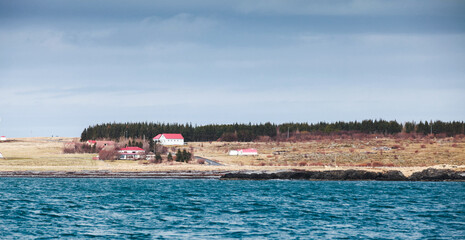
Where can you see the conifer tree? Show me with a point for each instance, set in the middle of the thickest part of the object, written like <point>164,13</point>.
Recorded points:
<point>179,156</point>
<point>158,158</point>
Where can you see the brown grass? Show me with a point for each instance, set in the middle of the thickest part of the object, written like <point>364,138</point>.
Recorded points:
<point>46,154</point>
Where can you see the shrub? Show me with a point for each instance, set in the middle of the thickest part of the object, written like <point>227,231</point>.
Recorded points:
<point>377,164</point>
<point>158,158</point>
<point>423,146</point>
<point>108,154</point>
<point>200,161</point>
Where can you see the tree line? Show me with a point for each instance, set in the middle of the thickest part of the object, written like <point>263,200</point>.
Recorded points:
<point>249,132</point>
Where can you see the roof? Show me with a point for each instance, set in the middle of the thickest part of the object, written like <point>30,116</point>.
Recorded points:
<point>249,150</point>
<point>91,141</point>
<point>132,149</point>
<point>169,136</point>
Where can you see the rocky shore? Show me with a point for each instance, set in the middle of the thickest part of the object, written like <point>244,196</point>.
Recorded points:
<point>109,174</point>
<point>430,174</point>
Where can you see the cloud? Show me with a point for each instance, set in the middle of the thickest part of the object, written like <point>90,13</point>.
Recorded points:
<point>200,61</point>
<point>350,7</point>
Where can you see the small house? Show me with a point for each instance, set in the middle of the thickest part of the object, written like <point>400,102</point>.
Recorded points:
<point>169,139</point>
<point>243,152</point>
<point>103,144</point>
<point>131,153</point>
<point>100,144</point>
<point>2,138</point>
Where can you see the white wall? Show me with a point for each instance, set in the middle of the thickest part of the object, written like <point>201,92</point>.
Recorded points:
<point>233,153</point>
<point>164,141</point>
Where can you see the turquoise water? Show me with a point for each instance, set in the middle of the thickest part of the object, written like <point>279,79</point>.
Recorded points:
<point>213,209</point>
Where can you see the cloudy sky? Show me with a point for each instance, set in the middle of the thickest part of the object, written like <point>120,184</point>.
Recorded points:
<point>65,65</point>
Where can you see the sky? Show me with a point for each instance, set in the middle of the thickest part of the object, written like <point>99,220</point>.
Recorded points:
<point>65,65</point>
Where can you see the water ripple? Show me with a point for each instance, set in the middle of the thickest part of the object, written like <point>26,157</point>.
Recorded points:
<point>200,209</point>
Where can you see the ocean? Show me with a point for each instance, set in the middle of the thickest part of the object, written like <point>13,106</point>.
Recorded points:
<point>74,208</point>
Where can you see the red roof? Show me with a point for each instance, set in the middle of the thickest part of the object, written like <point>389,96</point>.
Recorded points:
<point>169,136</point>
<point>132,149</point>
<point>91,141</point>
<point>248,150</point>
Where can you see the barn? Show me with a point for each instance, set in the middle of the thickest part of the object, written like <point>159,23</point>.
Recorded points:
<point>169,139</point>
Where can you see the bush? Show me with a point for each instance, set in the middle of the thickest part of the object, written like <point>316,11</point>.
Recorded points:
<point>78,147</point>
<point>200,161</point>
<point>108,154</point>
<point>158,158</point>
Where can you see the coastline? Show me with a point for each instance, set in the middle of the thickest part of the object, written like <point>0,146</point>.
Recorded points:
<point>430,174</point>
<point>110,174</point>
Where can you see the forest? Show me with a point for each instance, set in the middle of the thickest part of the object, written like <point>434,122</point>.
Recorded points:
<point>250,132</point>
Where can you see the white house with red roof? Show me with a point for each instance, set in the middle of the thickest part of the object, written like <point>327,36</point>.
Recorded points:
<point>131,153</point>
<point>244,152</point>
<point>169,139</point>
<point>2,138</point>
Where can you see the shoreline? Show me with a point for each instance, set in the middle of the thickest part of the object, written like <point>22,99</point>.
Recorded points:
<point>430,174</point>
<point>110,174</point>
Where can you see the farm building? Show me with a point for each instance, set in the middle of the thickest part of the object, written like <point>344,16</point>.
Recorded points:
<point>243,152</point>
<point>100,144</point>
<point>132,153</point>
<point>169,139</point>
<point>2,138</point>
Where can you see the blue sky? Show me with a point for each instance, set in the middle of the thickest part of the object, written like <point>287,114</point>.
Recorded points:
<point>65,65</point>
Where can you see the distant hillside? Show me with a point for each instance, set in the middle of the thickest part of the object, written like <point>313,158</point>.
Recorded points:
<point>250,132</point>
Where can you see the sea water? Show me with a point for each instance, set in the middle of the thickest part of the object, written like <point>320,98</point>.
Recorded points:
<point>66,208</point>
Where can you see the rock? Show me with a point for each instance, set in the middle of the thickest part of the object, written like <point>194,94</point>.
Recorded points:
<point>432,174</point>
<point>321,175</point>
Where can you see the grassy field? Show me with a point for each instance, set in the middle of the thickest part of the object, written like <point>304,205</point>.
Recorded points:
<point>407,155</point>
<point>338,152</point>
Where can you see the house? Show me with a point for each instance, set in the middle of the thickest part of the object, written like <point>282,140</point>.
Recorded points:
<point>100,144</point>
<point>243,152</point>
<point>2,138</point>
<point>103,144</point>
<point>169,139</point>
<point>132,153</point>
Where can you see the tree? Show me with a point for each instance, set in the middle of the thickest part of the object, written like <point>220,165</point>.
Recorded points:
<point>170,157</point>
<point>179,157</point>
<point>151,145</point>
<point>158,158</point>
<point>186,156</point>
